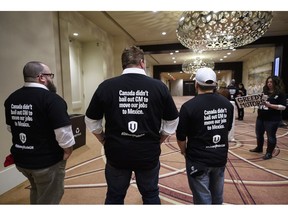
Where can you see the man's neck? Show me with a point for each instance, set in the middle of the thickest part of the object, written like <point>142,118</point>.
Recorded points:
<point>204,92</point>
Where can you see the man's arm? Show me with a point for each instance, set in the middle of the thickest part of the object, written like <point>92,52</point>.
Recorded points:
<point>182,146</point>
<point>65,139</point>
<point>168,128</point>
<point>96,128</point>
<point>67,152</point>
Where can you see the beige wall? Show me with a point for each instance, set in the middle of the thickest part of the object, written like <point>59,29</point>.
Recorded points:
<point>259,62</point>
<point>176,87</point>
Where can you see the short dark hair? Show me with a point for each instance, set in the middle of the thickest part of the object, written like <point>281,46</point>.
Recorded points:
<point>132,56</point>
<point>206,88</point>
<point>32,69</point>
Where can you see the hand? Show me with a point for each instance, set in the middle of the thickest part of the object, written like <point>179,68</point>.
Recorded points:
<point>67,152</point>
<point>267,104</point>
<point>102,141</point>
<point>183,153</point>
<point>100,137</point>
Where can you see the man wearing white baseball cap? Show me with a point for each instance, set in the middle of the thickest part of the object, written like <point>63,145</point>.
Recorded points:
<point>206,77</point>
<point>202,136</point>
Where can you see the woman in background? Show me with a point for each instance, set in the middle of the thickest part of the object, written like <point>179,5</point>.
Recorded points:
<point>241,91</point>
<point>269,115</point>
<point>223,90</point>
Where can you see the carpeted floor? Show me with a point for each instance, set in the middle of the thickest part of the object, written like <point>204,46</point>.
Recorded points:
<point>248,178</point>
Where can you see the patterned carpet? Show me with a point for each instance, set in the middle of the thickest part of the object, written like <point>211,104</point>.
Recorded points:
<point>248,178</point>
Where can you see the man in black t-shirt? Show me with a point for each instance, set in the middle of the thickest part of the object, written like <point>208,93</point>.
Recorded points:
<point>139,114</point>
<point>42,135</point>
<point>232,90</point>
<point>202,136</point>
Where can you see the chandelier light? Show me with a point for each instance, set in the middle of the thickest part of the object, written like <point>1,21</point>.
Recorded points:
<point>209,30</point>
<point>192,65</point>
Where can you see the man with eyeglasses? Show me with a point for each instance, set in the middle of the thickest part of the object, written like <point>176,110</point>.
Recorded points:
<point>41,131</point>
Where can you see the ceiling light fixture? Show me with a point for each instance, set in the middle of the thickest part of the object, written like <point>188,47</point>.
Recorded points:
<point>208,30</point>
<point>190,66</point>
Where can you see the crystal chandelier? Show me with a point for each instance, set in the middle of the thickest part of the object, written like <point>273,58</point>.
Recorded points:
<point>208,30</point>
<point>192,65</point>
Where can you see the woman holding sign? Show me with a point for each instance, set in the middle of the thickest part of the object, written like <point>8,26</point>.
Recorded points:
<point>269,115</point>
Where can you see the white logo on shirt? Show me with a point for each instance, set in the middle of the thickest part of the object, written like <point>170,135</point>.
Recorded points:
<point>216,138</point>
<point>132,126</point>
<point>22,137</point>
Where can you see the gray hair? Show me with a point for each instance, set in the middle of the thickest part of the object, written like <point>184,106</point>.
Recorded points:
<point>132,56</point>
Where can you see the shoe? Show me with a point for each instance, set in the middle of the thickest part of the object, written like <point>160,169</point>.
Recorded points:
<point>257,150</point>
<point>267,156</point>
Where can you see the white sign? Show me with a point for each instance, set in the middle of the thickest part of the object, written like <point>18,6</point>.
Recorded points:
<point>250,100</point>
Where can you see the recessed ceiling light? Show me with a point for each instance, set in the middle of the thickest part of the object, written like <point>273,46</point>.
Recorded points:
<point>75,34</point>
<point>164,33</point>
<point>176,51</point>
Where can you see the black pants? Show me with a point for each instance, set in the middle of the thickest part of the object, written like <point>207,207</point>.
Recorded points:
<point>240,112</point>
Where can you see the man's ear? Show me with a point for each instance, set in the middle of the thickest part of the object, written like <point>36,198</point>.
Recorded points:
<point>41,79</point>
<point>142,63</point>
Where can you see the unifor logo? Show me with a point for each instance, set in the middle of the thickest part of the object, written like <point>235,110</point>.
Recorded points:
<point>132,126</point>
<point>216,138</point>
<point>22,137</point>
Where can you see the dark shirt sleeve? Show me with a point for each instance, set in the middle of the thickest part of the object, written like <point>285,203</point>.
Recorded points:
<point>182,125</point>
<point>170,109</point>
<point>57,112</point>
<point>231,118</point>
<point>95,109</point>
<point>282,99</point>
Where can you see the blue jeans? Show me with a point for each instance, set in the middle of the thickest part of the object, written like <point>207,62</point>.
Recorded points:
<point>208,187</point>
<point>271,128</point>
<point>118,182</point>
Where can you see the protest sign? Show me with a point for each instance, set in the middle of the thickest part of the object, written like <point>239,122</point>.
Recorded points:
<point>250,100</point>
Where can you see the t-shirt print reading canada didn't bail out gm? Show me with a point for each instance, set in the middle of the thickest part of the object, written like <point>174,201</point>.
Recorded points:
<point>133,102</point>
<point>22,114</point>
<point>214,119</point>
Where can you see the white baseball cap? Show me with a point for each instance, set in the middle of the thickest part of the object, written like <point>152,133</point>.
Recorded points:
<point>206,77</point>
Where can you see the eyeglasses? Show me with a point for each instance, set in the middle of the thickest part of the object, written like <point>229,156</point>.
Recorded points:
<point>48,74</point>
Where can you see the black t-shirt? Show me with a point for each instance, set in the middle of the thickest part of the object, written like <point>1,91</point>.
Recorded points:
<point>233,92</point>
<point>33,113</point>
<point>206,121</point>
<point>133,106</point>
<point>269,114</point>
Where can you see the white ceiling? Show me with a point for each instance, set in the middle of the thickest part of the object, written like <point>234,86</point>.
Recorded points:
<point>145,28</point>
